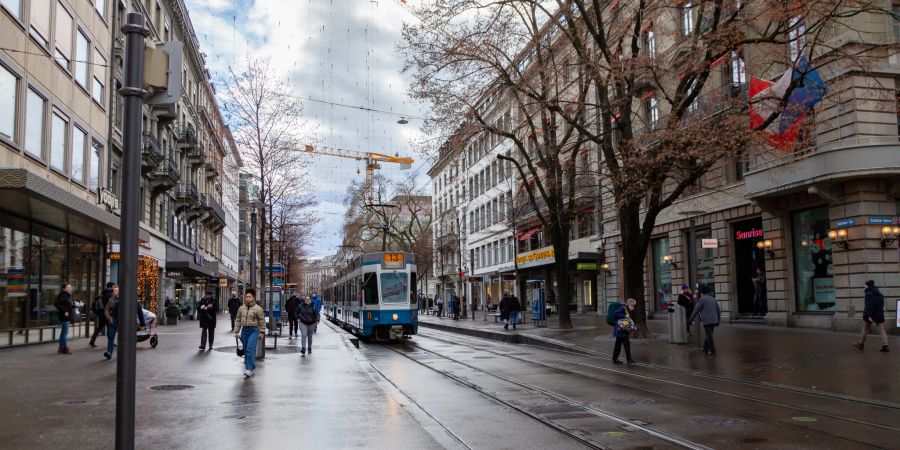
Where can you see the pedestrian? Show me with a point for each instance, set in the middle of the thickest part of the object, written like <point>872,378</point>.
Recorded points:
<point>308,319</point>
<point>686,300</point>
<point>207,310</point>
<point>487,302</point>
<point>290,306</point>
<point>440,306</point>
<point>251,321</point>
<point>622,331</point>
<point>759,293</point>
<point>317,303</point>
<point>112,319</point>
<point>509,311</point>
<point>456,307</point>
<point>99,309</point>
<point>873,315</point>
<point>708,311</point>
<point>65,307</point>
<point>234,303</point>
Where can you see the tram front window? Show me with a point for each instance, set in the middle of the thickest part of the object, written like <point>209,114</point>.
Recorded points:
<point>394,287</point>
<point>370,288</point>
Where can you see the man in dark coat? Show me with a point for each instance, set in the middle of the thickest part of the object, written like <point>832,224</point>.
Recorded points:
<point>207,309</point>
<point>873,315</point>
<point>234,303</point>
<point>99,307</point>
<point>509,311</point>
<point>456,307</point>
<point>290,307</point>
<point>686,301</point>
<point>710,316</point>
<point>65,307</point>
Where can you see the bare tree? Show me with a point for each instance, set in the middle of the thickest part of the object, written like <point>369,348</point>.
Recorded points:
<point>656,89</point>
<point>264,119</point>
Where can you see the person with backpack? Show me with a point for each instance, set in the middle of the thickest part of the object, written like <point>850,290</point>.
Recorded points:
<point>873,315</point>
<point>308,317</point>
<point>112,318</point>
<point>623,325</point>
<point>710,315</point>
<point>99,310</point>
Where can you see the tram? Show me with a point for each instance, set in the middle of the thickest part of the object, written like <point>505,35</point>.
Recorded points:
<point>374,296</point>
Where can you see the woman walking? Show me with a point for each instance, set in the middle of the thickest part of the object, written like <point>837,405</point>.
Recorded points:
<point>251,321</point>
<point>308,317</point>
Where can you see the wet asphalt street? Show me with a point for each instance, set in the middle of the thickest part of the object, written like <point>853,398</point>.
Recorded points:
<point>438,390</point>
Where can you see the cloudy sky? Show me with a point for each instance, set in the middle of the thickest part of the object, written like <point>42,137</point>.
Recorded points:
<point>337,51</point>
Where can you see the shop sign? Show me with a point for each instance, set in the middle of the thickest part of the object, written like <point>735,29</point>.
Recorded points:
<point>586,266</point>
<point>15,281</point>
<point>114,256</point>
<point>752,234</point>
<point>844,223</point>
<point>173,274</point>
<point>198,258</point>
<point>536,255</point>
<point>474,279</point>
<point>109,199</point>
<point>223,282</point>
<point>709,243</point>
<point>883,220</point>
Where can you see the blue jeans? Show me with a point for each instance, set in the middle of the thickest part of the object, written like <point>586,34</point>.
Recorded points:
<point>249,339</point>
<point>110,338</point>
<point>64,334</point>
<point>514,318</point>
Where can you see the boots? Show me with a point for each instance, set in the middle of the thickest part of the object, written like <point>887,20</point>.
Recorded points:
<point>884,348</point>
<point>859,345</point>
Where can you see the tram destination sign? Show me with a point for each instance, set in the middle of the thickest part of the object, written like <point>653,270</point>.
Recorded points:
<point>393,261</point>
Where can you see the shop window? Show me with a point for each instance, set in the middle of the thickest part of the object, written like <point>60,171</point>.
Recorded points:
<point>14,251</point>
<point>662,274</point>
<point>813,268</point>
<point>9,84</point>
<point>49,248</point>
<point>706,261</point>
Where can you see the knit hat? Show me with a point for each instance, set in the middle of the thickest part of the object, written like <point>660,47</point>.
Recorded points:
<point>870,283</point>
<point>684,286</point>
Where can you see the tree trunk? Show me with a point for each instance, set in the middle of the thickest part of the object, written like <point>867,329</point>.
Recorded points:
<point>634,249</point>
<point>564,289</point>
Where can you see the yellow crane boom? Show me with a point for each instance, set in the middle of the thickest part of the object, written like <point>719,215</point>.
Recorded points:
<point>371,159</point>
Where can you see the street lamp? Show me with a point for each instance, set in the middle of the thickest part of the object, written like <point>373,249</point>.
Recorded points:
<point>889,234</point>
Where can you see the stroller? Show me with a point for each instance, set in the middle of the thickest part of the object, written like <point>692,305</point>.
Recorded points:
<point>150,330</point>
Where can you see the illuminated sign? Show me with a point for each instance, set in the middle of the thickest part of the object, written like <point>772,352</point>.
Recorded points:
<point>393,260</point>
<point>114,256</point>
<point>536,255</point>
<point>752,234</point>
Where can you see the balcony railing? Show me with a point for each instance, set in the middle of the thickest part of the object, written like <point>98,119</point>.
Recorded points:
<point>151,154</point>
<point>185,134</point>
<point>165,176</point>
<point>187,192</point>
<point>216,218</point>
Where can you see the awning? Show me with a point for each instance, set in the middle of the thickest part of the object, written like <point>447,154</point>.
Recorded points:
<point>527,234</point>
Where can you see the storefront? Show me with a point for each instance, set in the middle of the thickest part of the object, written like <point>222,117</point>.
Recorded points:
<point>191,274</point>
<point>749,261</point>
<point>662,273</point>
<point>813,269</point>
<point>540,265</point>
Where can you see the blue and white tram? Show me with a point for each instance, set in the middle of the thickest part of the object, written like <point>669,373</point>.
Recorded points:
<point>374,296</point>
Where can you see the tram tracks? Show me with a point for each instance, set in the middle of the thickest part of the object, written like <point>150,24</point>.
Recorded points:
<point>815,427</point>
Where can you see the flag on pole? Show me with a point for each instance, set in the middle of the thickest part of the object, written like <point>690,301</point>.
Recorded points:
<point>766,95</point>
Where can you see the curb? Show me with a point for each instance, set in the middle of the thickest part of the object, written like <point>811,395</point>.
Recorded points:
<point>511,338</point>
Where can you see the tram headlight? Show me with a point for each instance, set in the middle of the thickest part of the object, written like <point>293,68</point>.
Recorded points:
<point>396,316</point>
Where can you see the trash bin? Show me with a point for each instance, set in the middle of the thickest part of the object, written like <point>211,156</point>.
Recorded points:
<point>677,325</point>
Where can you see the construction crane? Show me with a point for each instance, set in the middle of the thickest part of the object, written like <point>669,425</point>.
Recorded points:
<point>371,159</point>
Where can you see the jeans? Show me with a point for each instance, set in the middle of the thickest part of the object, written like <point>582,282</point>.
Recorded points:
<point>110,338</point>
<point>64,334</point>
<point>440,310</point>
<point>292,325</point>
<point>709,345</point>
<point>622,341</point>
<point>306,332</point>
<point>513,318</point>
<point>879,327</point>
<point>233,315</point>
<point>211,332</point>
<point>249,339</point>
<point>101,325</point>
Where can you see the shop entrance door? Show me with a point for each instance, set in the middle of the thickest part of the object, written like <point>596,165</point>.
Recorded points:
<point>747,258</point>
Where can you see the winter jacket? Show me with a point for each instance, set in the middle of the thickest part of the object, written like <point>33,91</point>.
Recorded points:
<point>317,302</point>
<point>509,305</point>
<point>307,313</point>
<point>112,312</point>
<point>621,313</point>
<point>687,302</point>
<point>708,310</point>
<point>207,316</point>
<point>290,307</point>
<point>874,305</point>
<point>234,304</point>
<point>250,316</point>
<point>66,308</point>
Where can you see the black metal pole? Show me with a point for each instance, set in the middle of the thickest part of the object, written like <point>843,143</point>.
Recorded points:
<point>131,206</point>
<point>253,250</point>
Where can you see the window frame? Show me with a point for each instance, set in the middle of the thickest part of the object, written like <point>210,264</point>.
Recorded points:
<point>686,14</point>
<point>98,51</point>
<point>80,61</point>
<point>57,55</point>
<point>95,167</point>
<point>57,112</point>
<point>45,100</point>
<point>77,126</point>
<point>18,79</point>
<point>17,17</point>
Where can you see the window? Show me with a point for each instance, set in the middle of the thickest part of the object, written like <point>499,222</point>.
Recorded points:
<point>100,6</point>
<point>14,7</point>
<point>94,181</point>
<point>79,141</point>
<point>662,274</point>
<point>99,76</point>
<point>82,49</point>
<point>738,70</point>
<point>813,270</point>
<point>650,44</point>
<point>34,124</point>
<point>63,36</point>
<point>687,19</point>
<point>59,125</point>
<point>797,37</point>
<point>652,112</point>
<point>9,84</point>
<point>40,22</point>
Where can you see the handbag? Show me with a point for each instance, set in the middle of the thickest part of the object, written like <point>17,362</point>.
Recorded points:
<point>240,348</point>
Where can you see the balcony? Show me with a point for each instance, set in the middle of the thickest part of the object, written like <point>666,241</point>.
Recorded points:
<point>185,135</point>
<point>212,169</point>
<point>186,197</point>
<point>195,155</point>
<point>164,177</point>
<point>164,112</point>
<point>216,217</point>
<point>197,210</point>
<point>782,173</point>
<point>151,154</point>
